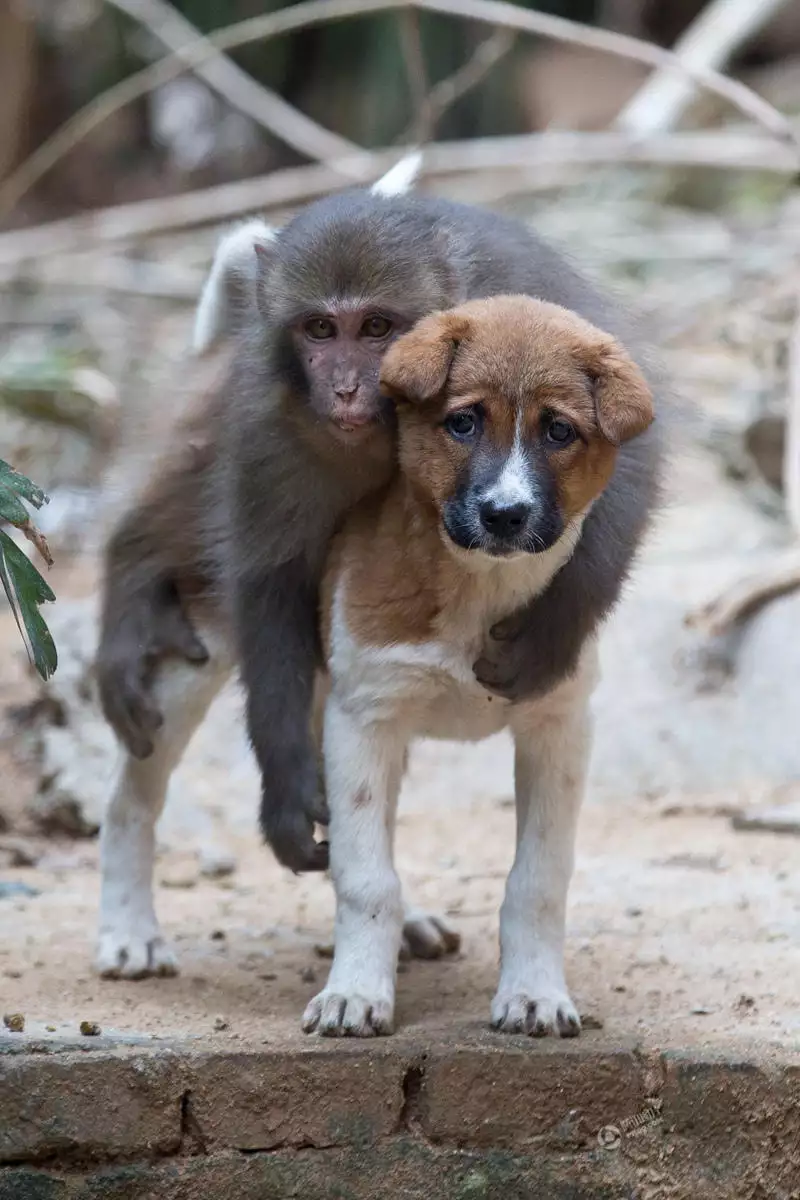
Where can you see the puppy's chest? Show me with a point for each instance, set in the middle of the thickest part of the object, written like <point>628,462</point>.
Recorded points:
<point>426,682</point>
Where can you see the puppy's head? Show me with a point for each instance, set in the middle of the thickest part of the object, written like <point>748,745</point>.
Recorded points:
<point>511,412</point>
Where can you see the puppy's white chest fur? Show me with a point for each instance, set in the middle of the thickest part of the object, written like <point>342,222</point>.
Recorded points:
<point>429,686</point>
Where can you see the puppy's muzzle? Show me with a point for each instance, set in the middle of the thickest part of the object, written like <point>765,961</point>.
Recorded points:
<point>504,522</point>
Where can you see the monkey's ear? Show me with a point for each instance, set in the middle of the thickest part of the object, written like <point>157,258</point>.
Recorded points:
<point>416,366</point>
<point>622,397</point>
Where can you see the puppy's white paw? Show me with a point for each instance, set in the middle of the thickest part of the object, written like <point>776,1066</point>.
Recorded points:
<point>336,1014</point>
<point>537,1013</point>
<point>126,954</point>
<point>426,935</point>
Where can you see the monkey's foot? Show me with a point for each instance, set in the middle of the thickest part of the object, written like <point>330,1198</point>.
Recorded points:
<point>125,954</point>
<point>747,596</point>
<point>536,1011</point>
<point>426,935</point>
<point>349,1014</point>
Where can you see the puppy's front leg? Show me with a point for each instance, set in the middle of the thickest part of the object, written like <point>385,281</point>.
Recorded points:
<point>363,768</point>
<point>552,739</point>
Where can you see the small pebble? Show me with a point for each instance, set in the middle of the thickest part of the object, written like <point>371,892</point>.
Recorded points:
<point>699,1011</point>
<point>50,1028</point>
<point>218,935</point>
<point>590,1022</point>
<point>14,1022</point>
<point>89,1029</point>
<point>619,987</point>
<point>308,975</point>
<point>633,912</point>
<point>323,951</point>
<point>216,865</point>
<point>219,1024</point>
<point>182,882</point>
<point>270,977</point>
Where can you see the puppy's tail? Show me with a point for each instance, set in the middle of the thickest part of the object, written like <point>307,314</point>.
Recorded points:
<point>401,178</point>
<point>229,283</point>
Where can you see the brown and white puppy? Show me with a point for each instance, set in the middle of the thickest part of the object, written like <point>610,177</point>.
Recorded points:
<point>510,414</point>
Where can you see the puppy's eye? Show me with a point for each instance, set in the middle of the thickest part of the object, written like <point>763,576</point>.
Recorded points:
<point>376,327</point>
<point>463,425</point>
<point>320,328</point>
<point>560,433</point>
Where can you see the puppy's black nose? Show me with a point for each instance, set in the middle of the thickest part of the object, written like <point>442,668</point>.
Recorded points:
<point>504,521</point>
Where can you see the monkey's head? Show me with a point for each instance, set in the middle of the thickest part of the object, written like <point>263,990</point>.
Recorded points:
<point>511,412</point>
<point>337,286</point>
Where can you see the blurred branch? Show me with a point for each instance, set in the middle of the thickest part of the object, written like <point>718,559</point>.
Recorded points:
<point>715,35</point>
<point>520,157</point>
<point>445,94</point>
<point>317,12</point>
<point>240,90</point>
<point>742,600</point>
<point>414,59</point>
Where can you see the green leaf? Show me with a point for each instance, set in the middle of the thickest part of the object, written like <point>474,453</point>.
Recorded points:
<point>11,507</point>
<point>26,590</point>
<point>13,481</point>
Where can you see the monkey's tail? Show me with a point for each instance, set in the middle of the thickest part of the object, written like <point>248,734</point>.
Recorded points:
<point>401,178</point>
<point>232,271</point>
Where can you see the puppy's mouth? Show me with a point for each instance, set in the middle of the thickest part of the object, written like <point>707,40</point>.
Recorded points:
<point>467,533</point>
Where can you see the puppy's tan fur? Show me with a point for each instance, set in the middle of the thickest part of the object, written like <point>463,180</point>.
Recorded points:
<point>406,610</point>
<point>516,355</point>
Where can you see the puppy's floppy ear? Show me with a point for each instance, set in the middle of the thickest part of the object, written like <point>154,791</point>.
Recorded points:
<point>622,397</point>
<point>416,366</point>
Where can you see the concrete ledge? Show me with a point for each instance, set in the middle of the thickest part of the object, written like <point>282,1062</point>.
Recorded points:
<point>403,1117</point>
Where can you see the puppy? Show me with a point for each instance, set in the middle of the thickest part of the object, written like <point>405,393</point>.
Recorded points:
<point>511,413</point>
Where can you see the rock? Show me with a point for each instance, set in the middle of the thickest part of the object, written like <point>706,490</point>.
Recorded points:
<point>779,818</point>
<point>89,1029</point>
<point>14,1022</point>
<point>77,750</point>
<point>216,864</point>
<point>13,889</point>
<point>220,1024</point>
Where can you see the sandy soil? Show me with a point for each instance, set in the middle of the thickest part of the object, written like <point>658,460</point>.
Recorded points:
<point>681,932</point>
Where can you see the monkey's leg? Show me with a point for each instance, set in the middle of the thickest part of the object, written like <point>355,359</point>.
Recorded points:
<point>130,944</point>
<point>747,596</point>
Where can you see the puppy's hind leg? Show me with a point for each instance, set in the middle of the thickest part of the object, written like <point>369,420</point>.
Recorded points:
<point>130,943</point>
<point>552,737</point>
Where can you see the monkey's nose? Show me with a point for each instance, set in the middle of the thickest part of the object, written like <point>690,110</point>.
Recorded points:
<point>346,391</point>
<point>504,521</point>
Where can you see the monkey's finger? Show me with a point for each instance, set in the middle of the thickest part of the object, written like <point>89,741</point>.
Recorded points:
<point>507,630</point>
<point>176,636</point>
<point>292,839</point>
<point>496,675</point>
<point>130,712</point>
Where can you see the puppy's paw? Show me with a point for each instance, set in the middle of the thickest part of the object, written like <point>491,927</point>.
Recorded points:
<point>124,954</point>
<point>537,1013</point>
<point>426,935</point>
<point>336,1014</point>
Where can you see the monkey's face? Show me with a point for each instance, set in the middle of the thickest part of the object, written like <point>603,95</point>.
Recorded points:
<point>510,416</point>
<point>339,351</point>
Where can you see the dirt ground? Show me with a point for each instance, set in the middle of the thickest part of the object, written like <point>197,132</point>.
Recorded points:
<point>681,931</point>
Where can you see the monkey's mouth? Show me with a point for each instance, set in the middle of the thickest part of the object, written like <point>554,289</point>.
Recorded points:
<point>353,423</point>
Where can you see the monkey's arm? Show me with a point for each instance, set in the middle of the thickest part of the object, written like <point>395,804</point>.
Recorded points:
<point>276,618</point>
<point>531,651</point>
<point>142,622</point>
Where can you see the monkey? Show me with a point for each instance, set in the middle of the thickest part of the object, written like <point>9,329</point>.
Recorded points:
<point>296,435</point>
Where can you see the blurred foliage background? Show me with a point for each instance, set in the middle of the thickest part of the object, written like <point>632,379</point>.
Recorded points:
<point>350,76</point>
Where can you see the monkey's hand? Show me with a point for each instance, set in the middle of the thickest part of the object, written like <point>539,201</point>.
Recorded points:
<point>288,817</point>
<point>522,659</point>
<point>138,633</point>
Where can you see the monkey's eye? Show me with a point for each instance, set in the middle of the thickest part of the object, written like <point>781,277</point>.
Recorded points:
<point>320,328</point>
<point>463,425</point>
<point>560,433</point>
<point>376,327</point>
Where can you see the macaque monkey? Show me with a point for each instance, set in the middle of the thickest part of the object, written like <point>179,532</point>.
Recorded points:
<point>218,563</point>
